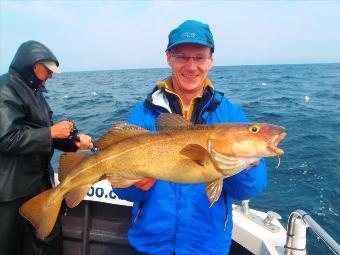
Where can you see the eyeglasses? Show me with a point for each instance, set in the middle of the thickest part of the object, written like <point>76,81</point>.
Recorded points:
<point>180,58</point>
<point>48,70</point>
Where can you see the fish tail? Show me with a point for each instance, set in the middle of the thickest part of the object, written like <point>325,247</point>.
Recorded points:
<point>42,211</point>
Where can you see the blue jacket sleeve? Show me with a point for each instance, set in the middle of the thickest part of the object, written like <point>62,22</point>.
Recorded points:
<point>247,183</point>
<point>133,194</point>
<point>137,115</point>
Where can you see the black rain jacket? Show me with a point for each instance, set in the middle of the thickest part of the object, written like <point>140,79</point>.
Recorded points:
<point>26,146</point>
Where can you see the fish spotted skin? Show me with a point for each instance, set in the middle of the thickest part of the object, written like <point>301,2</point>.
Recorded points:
<point>181,152</point>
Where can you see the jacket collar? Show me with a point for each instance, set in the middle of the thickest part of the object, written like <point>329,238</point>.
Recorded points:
<point>30,80</point>
<point>167,84</point>
<point>163,99</point>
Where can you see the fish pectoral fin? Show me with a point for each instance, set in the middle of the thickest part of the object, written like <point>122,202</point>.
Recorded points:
<point>119,132</point>
<point>197,153</point>
<point>67,162</point>
<point>121,183</point>
<point>77,195</point>
<point>172,121</point>
<point>214,189</point>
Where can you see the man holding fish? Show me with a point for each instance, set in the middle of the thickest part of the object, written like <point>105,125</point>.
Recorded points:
<point>27,140</point>
<point>183,178</point>
<point>170,218</point>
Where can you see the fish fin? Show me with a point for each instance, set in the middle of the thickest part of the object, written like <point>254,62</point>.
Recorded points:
<point>122,183</point>
<point>75,196</point>
<point>197,153</point>
<point>103,177</point>
<point>42,211</point>
<point>67,162</point>
<point>172,121</point>
<point>119,132</point>
<point>214,189</point>
<point>229,166</point>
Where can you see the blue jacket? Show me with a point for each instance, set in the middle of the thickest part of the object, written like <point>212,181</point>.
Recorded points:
<point>178,218</point>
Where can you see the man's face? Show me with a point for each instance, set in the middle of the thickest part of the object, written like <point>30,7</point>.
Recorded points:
<point>42,73</point>
<point>190,64</point>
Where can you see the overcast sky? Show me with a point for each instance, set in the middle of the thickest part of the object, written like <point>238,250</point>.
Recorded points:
<point>95,35</point>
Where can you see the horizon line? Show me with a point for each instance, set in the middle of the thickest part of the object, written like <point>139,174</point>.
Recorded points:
<point>143,68</point>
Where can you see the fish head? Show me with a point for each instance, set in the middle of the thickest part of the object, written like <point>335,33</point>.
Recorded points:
<point>248,140</point>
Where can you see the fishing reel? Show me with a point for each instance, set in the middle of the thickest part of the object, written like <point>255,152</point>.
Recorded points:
<point>75,138</point>
<point>74,134</point>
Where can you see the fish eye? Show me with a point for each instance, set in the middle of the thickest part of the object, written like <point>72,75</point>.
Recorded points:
<point>254,129</point>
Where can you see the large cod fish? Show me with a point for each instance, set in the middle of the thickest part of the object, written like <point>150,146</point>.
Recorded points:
<point>180,152</point>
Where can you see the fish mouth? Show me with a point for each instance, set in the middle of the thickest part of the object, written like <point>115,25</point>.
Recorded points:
<point>273,143</point>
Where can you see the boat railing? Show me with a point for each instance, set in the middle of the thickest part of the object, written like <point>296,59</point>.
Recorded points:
<point>298,223</point>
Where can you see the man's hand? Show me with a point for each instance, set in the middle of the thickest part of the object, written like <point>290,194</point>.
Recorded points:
<point>146,183</point>
<point>253,164</point>
<point>61,129</point>
<point>84,143</point>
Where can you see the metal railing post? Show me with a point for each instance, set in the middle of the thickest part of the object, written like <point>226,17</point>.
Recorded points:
<point>298,223</point>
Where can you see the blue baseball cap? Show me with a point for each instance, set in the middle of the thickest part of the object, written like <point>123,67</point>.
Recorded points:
<point>191,31</point>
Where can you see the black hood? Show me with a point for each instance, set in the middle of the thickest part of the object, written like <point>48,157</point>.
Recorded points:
<point>27,55</point>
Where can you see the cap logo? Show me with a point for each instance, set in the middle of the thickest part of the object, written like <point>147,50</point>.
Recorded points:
<point>188,35</point>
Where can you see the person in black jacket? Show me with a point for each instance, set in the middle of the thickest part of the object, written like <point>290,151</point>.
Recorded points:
<point>27,140</point>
